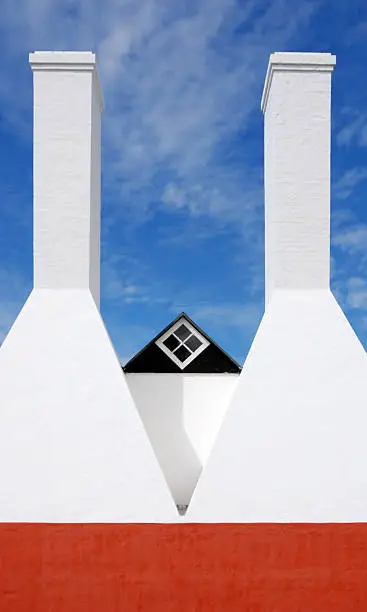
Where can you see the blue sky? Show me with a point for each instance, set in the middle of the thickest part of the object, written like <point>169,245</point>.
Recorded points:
<point>182,165</point>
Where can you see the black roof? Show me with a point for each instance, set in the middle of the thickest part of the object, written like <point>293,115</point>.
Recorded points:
<point>213,359</point>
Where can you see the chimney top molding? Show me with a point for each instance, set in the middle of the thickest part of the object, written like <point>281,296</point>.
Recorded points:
<point>296,62</point>
<point>73,61</point>
<point>62,60</point>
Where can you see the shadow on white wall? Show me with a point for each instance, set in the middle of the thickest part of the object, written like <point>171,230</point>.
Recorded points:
<point>182,415</point>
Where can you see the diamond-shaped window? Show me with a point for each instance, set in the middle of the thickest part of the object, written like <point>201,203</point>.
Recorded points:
<point>182,332</point>
<point>193,343</point>
<point>182,343</point>
<point>182,353</point>
<point>171,342</point>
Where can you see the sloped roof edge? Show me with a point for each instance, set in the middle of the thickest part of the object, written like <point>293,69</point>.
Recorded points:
<point>165,329</point>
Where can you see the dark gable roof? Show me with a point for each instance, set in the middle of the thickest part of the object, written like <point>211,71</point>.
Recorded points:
<point>213,359</point>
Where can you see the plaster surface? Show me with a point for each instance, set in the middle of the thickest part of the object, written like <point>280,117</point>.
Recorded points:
<point>182,414</point>
<point>67,171</point>
<point>292,447</point>
<point>296,103</point>
<point>180,568</point>
<point>72,445</point>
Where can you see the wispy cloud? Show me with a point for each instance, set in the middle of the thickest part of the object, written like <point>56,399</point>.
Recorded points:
<point>352,239</point>
<point>354,131</point>
<point>346,184</point>
<point>357,293</point>
<point>182,143</point>
<point>179,81</point>
<point>349,239</point>
<point>188,84</point>
<point>236,315</point>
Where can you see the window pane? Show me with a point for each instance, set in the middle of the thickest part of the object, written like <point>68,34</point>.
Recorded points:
<point>182,353</point>
<point>182,332</point>
<point>171,342</point>
<point>193,343</point>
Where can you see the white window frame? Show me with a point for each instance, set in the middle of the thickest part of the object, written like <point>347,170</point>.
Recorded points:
<point>170,354</point>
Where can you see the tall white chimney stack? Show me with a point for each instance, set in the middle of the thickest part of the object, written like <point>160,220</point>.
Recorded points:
<point>296,106</point>
<point>73,448</point>
<point>292,447</point>
<point>67,134</point>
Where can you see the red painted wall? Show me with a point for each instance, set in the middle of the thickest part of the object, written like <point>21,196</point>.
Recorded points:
<point>162,568</point>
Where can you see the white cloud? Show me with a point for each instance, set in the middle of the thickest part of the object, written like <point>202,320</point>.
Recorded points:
<point>353,132</point>
<point>235,315</point>
<point>352,239</point>
<point>116,284</point>
<point>346,184</point>
<point>187,85</point>
<point>357,293</point>
<point>349,239</point>
<point>178,82</point>
<point>173,195</point>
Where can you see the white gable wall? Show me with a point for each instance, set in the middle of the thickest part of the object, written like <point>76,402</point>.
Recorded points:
<point>292,446</point>
<point>72,445</point>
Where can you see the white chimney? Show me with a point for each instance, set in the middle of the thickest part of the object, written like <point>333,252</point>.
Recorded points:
<point>296,106</point>
<point>72,445</point>
<point>292,445</point>
<point>67,136</point>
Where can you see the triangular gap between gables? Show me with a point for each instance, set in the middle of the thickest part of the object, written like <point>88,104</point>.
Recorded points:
<point>182,414</point>
<point>181,402</point>
<point>180,487</point>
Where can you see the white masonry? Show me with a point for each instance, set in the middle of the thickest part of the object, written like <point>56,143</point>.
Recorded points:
<point>293,443</point>
<point>72,446</point>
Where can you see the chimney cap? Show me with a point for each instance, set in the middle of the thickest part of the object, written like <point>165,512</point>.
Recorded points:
<point>305,62</point>
<point>62,60</point>
<point>75,61</point>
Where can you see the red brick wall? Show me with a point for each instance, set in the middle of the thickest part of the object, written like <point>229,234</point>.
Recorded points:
<point>162,568</point>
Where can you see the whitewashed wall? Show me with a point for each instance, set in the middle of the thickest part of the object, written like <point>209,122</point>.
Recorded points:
<point>72,445</point>
<point>293,444</point>
<point>182,414</point>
